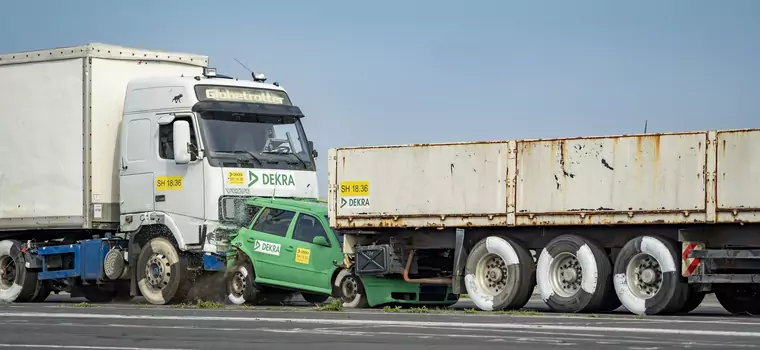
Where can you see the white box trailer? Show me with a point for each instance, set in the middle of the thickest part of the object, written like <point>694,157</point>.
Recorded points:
<point>59,164</point>
<point>605,216</point>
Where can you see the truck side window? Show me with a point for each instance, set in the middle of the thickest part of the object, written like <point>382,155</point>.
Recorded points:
<point>166,140</point>
<point>307,228</point>
<point>274,221</point>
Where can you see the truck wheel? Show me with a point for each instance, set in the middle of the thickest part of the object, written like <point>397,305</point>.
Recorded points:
<point>693,301</point>
<point>42,292</point>
<point>17,284</point>
<point>739,299</point>
<point>647,280</point>
<point>241,288</point>
<point>352,291</point>
<point>97,294</point>
<point>499,274</point>
<point>162,273</point>
<point>315,298</point>
<point>574,274</point>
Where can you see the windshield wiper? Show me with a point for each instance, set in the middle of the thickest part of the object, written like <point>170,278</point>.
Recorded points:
<point>250,154</point>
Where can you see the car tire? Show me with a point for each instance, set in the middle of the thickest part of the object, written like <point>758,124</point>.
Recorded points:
<point>241,285</point>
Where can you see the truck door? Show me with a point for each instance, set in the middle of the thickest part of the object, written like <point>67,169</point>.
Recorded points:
<point>136,165</point>
<point>178,188</point>
<point>311,261</point>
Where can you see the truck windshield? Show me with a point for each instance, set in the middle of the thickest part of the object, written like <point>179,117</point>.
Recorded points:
<point>253,141</point>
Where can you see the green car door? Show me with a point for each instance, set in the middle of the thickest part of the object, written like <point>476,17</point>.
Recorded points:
<point>311,249</point>
<point>266,242</point>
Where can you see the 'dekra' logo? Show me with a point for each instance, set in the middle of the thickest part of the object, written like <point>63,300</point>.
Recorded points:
<point>271,179</point>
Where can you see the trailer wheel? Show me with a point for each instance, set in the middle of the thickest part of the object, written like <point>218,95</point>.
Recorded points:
<point>241,288</point>
<point>17,284</point>
<point>499,274</point>
<point>647,280</point>
<point>693,301</point>
<point>162,273</point>
<point>352,290</point>
<point>574,274</point>
<point>739,299</point>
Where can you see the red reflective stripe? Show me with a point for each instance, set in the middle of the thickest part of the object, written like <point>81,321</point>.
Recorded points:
<point>693,266</point>
<point>688,250</point>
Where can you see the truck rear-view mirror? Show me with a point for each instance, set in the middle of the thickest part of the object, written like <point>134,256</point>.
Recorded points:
<point>314,153</point>
<point>181,130</point>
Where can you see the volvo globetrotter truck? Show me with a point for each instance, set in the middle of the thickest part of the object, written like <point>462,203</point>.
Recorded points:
<point>653,222</point>
<point>118,166</point>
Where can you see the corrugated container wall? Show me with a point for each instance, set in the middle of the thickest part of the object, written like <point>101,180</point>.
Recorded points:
<point>61,110</point>
<point>679,178</point>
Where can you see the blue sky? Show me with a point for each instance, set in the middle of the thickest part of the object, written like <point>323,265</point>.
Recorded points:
<point>390,72</point>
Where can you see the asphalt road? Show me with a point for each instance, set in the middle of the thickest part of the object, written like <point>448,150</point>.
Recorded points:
<point>58,325</point>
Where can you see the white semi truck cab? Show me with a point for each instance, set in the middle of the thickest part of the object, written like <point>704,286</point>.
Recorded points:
<point>149,154</point>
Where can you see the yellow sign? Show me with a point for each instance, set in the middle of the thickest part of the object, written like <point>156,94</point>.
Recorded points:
<point>235,177</point>
<point>354,188</point>
<point>164,183</point>
<point>303,255</point>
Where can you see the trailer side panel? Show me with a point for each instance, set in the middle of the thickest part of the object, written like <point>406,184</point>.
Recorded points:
<point>41,144</point>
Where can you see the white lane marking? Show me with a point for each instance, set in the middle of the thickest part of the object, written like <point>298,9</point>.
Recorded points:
<point>413,324</point>
<point>50,346</point>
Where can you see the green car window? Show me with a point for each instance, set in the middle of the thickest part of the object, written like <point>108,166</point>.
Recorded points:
<point>274,221</point>
<point>307,228</point>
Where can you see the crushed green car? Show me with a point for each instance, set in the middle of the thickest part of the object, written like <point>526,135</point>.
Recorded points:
<point>287,245</point>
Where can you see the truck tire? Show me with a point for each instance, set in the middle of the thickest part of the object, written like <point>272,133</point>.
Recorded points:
<point>574,274</point>
<point>739,299</point>
<point>693,301</point>
<point>241,287</point>
<point>647,278</point>
<point>17,284</point>
<point>42,292</point>
<point>162,273</point>
<point>499,274</point>
<point>97,294</point>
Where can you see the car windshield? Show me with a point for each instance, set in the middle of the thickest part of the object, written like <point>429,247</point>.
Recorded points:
<point>254,141</point>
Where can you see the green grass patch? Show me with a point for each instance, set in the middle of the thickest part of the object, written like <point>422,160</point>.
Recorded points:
<point>470,311</point>
<point>389,308</point>
<point>418,310</point>
<point>335,305</point>
<point>84,304</point>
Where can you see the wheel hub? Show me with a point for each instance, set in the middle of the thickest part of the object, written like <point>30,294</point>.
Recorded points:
<point>491,274</point>
<point>157,271</point>
<point>238,284</point>
<point>565,274</point>
<point>7,272</point>
<point>349,288</point>
<point>644,276</point>
<point>495,274</point>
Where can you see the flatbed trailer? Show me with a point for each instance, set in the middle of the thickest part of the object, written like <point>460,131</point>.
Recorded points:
<point>653,222</point>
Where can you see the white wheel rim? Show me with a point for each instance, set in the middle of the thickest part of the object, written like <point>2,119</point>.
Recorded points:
<point>644,276</point>
<point>7,272</point>
<point>565,275</point>
<point>491,274</point>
